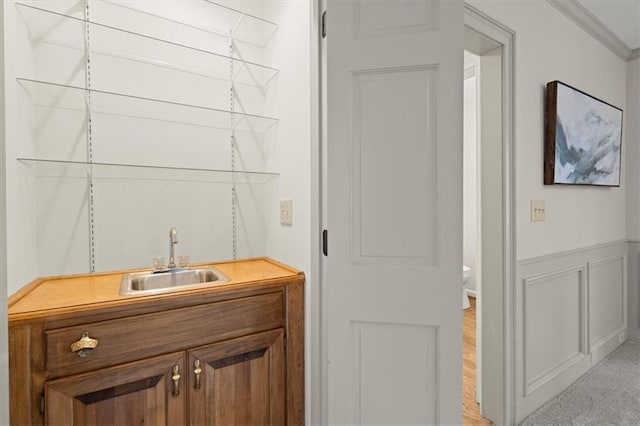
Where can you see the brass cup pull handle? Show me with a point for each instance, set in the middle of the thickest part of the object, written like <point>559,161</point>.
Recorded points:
<point>197,370</point>
<point>176,380</point>
<point>84,346</point>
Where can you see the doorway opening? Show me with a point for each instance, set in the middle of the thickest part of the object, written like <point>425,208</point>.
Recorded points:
<point>471,242</point>
<point>488,249</point>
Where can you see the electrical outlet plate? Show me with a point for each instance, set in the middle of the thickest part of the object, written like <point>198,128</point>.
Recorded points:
<point>286,212</point>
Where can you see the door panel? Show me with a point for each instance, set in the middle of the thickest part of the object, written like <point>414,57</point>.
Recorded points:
<point>404,96</point>
<point>133,394</point>
<point>392,108</point>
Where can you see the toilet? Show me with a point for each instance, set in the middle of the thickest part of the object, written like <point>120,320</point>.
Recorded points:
<point>466,275</point>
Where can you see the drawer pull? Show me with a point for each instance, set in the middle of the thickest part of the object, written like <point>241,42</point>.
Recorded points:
<point>197,370</point>
<point>176,380</point>
<point>84,346</point>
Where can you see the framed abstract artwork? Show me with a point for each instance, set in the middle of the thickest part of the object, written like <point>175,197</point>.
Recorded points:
<point>582,140</point>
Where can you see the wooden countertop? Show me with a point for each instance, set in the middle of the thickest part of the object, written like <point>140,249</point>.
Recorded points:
<point>78,293</point>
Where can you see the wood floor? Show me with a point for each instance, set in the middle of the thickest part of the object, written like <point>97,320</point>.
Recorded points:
<point>470,409</point>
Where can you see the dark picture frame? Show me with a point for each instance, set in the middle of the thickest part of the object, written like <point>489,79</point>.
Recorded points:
<point>582,140</point>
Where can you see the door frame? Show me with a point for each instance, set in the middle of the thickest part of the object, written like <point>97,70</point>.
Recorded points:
<point>316,407</point>
<point>316,295</point>
<point>502,403</point>
<point>4,355</point>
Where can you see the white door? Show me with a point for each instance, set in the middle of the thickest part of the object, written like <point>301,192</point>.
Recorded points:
<point>394,198</point>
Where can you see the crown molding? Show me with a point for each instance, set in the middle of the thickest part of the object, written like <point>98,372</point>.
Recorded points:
<point>593,26</point>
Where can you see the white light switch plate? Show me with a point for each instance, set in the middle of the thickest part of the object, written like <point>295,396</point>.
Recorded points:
<point>286,212</point>
<point>538,211</point>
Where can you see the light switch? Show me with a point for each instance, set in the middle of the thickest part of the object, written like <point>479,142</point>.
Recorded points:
<point>286,212</point>
<point>538,211</point>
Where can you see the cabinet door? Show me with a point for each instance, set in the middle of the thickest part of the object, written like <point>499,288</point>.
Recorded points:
<point>147,392</point>
<point>238,382</point>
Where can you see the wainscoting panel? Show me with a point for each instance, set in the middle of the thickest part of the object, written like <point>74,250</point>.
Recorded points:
<point>633,291</point>
<point>554,325</point>
<point>571,311</point>
<point>607,303</point>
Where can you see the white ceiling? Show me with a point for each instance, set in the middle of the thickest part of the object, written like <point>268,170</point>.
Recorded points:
<point>621,17</point>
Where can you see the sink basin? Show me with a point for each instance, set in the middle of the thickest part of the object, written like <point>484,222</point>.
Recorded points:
<point>158,281</point>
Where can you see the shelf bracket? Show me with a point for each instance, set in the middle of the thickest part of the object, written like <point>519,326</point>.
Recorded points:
<point>91,201</point>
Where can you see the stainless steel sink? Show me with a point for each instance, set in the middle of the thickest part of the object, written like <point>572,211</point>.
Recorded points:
<point>159,281</point>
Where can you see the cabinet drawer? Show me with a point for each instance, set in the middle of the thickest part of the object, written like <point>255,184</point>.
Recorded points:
<point>142,336</point>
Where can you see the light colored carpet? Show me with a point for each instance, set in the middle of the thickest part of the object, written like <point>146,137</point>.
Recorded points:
<point>609,394</point>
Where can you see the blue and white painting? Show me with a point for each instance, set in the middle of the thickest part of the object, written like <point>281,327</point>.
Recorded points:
<point>588,139</point>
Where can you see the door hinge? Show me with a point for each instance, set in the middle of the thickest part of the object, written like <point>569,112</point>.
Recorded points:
<point>325,241</point>
<point>42,402</point>
<point>324,24</point>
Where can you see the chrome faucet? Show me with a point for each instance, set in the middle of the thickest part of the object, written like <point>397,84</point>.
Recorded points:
<point>173,240</point>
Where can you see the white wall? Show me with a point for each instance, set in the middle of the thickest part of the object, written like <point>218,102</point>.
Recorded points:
<point>48,216</point>
<point>284,149</point>
<point>291,143</point>
<point>558,50</point>
<point>470,227</point>
<point>21,259</point>
<point>632,127</point>
<point>577,251</point>
<point>631,120</point>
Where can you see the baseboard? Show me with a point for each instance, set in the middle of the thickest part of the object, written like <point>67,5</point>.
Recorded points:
<point>608,345</point>
<point>472,293</point>
<point>633,333</point>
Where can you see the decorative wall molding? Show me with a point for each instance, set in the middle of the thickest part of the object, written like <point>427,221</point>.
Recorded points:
<point>552,256</point>
<point>596,342</point>
<point>633,291</point>
<point>536,383</point>
<point>593,26</point>
<point>566,361</point>
<point>594,324</point>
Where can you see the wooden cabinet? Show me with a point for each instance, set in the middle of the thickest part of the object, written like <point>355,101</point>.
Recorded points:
<point>231,355</point>
<point>235,382</point>
<point>148,392</point>
<point>243,380</point>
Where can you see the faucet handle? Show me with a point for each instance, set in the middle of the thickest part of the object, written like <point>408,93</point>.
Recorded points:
<point>159,263</point>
